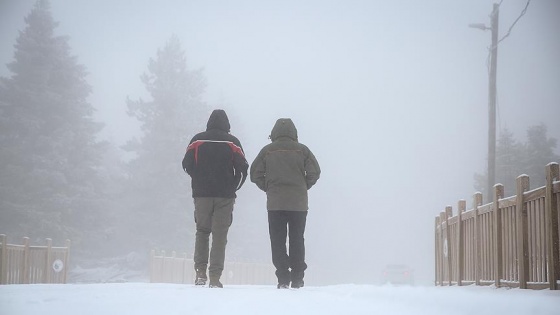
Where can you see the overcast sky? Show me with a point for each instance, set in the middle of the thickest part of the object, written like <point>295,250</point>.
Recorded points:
<point>391,96</point>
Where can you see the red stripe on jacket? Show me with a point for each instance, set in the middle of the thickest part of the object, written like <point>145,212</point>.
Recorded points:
<point>196,144</point>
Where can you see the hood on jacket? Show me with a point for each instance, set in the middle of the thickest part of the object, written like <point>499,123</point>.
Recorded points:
<point>218,120</point>
<point>284,127</point>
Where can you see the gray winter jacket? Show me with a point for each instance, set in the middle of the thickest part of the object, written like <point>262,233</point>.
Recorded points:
<point>285,169</point>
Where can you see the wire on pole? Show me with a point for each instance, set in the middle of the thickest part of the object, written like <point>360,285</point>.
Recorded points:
<point>515,22</point>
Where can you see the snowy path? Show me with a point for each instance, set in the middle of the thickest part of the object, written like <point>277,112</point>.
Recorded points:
<point>169,299</point>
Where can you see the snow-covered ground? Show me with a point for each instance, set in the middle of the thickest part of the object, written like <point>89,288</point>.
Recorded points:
<point>169,299</point>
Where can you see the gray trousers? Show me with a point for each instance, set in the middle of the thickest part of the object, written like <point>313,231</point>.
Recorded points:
<point>212,216</point>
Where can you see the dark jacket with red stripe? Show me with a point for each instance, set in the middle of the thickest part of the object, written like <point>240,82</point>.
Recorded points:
<point>215,160</point>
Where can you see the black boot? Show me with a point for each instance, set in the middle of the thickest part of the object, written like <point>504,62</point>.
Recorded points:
<point>296,284</point>
<point>215,283</point>
<point>201,277</point>
<point>297,278</point>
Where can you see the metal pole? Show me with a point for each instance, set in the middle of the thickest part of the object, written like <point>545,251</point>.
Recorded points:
<point>492,101</point>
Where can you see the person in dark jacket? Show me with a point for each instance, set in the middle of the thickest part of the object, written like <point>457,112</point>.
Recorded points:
<point>216,163</point>
<point>285,169</point>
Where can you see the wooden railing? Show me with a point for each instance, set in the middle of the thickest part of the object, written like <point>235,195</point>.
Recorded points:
<point>175,269</point>
<point>510,242</point>
<point>22,264</point>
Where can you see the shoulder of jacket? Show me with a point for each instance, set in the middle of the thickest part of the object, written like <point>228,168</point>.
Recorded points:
<point>302,146</point>
<point>196,137</point>
<point>234,139</point>
<point>306,150</point>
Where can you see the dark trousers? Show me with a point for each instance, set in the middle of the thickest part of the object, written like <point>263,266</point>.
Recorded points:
<point>290,266</point>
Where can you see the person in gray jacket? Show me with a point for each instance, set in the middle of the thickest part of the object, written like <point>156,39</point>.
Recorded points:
<point>285,169</point>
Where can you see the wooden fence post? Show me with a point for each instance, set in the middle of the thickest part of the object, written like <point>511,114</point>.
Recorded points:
<point>162,271</point>
<point>437,249</point>
<point>448,214</point>
<point>443,248</point>
<point>477,201</point>
<point>185,266</point>
<point>462,206</point>
<point>66,260</point>
<point>174,267</point>
<point>47,269</point>
<point>26,261</point>
<point>522,231</point>
<point>152,270</point>
<point>498,259</point>
<point>551,210</point>
<point>3,259</point>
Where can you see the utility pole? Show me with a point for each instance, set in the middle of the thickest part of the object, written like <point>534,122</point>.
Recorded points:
<point>494,20</point>
<point>492,101</point>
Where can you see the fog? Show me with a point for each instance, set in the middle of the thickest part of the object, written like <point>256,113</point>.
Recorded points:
<point>391,97</point>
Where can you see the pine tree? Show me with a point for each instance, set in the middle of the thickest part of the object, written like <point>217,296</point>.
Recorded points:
<point>49,153</point>
<point>158,191</point>
<point>508,157</point>
<point>539,151</point>
<point>514,159</point>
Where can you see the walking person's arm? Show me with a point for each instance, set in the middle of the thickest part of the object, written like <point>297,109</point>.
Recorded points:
<point>189,161</point>
<point>240,167</point>
<point>312,169</point>
<point>258,171</point>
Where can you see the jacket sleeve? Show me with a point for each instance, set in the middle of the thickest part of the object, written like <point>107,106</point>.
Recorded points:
<point>312,169</point>
<point>240,167</point>
<point>189,159</point>
<point>258,171</point>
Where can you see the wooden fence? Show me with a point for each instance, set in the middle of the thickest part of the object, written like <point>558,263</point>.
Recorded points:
<point>511,241</point>
<point>175,269</point>
<point>23,264</point>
